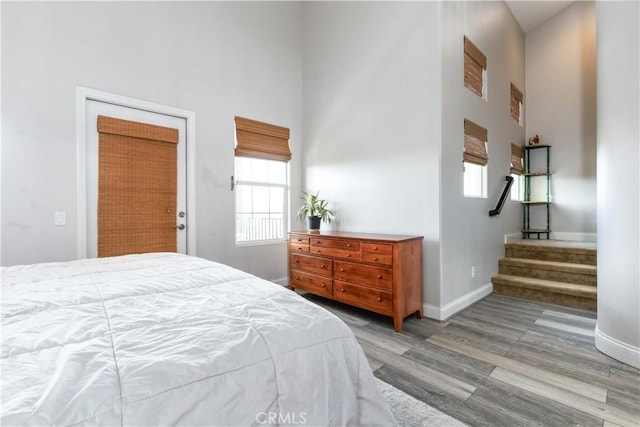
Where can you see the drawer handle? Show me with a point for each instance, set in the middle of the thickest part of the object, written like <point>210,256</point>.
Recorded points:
<point>299,248</point>
<point>348,245</point>
<point>348,255</point>
<point>318,251</point>
<point>297,261</point>
<point>298,278</point>
<point>341,289</point>
<point>375,248</point>
<point>322,266</point>
<point>342,270</point>
<point>379,299</point>
<point>375,259</point>
<point>323,285</point>
<point>379,276</point>
<point>318,242</point>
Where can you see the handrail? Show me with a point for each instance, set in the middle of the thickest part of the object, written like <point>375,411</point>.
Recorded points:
<point>503,197</point>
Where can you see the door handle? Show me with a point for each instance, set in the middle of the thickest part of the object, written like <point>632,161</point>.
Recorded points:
<point>179,226</point>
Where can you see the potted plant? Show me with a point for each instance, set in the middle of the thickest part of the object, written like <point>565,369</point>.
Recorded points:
<point>315,210</point>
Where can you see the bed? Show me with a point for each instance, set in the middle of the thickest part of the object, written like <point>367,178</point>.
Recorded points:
<point>170,339</point>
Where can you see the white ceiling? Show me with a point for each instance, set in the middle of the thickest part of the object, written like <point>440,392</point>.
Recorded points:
<point>531,13</point>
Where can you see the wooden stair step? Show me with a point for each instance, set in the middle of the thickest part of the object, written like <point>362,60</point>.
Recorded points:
<point>583,274</point>
<point>548,250</point>
<point>570,294</point>
<point>546,285</point>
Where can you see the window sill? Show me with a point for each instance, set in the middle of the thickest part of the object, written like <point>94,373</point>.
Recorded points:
<point>260,243</point>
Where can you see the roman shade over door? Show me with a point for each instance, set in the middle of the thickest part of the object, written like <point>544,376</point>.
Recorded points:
<point>137,187</point>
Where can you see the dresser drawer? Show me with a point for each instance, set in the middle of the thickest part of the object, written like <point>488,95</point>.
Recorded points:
<point>335,253</point>
<point>377,258</point>
<point>349,245</point>
<point>299,240</point>
<point>375,299</point>
<point>377,248</point>
<point>296,247</point>
<point>309,282</point>
<point>367,275</point>
<point>321,266</point>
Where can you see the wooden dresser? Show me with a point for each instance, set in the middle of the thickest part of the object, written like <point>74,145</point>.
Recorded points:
<point>377,272</point>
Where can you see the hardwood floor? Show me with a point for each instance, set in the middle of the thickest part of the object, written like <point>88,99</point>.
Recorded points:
<point>502,362</point>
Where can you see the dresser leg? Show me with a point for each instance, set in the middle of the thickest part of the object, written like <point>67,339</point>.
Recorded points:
<point>419,314</point>
<point>397,324</point>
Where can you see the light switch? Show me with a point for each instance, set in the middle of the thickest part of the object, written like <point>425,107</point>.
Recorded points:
<point>60,218</point>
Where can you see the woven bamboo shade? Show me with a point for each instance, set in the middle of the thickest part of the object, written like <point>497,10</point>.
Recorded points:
<point>137,187</point>
<point>474,63</point>
<point>517,153</point>
<point>516,102</point>
<point>261,140</point>
<point>475,147</point>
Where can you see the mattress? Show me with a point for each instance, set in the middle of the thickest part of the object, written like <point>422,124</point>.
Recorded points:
<point>170,339</point>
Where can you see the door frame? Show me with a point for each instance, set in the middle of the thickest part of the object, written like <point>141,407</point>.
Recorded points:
<point>83,95</point>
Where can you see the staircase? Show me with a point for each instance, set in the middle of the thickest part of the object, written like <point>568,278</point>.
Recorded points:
<point>554,271</point>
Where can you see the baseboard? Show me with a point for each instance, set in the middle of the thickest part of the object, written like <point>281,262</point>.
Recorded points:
<point>282,282</point>
<point>444,312</point>
<point>574,237</point>
<point>617,349</point>
<point>512,236</point>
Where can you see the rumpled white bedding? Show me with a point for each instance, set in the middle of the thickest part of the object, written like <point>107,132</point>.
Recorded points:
<point>165,339</point>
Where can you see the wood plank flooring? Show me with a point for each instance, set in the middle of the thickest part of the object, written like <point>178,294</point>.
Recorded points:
<point>502,362</point>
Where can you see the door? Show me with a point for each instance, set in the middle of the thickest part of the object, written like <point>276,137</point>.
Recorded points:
<point>128,211</point>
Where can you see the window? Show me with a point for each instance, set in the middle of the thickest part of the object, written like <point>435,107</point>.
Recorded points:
<point>261,199</point>
<point>261,181</point>
<point>475,180</point>
<point>516,105</point>
<point>517,189</point>
<point>475,69</point>
<point>475,160</point>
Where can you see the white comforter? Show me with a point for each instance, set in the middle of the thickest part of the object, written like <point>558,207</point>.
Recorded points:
<point>162,339</point>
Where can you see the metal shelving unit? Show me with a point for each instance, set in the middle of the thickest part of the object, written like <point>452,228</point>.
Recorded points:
<point>531,173</point>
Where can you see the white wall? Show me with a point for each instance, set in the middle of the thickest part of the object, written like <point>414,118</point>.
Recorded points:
<point>469,237</point>
<point>618,328</point>
<point>371,120</point>
<point>384,105</point>
<point>218,59</point>
<point>560,106</point>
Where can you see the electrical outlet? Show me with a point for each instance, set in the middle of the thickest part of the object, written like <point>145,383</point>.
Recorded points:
<point>60,218</point>
<point>473,272</point>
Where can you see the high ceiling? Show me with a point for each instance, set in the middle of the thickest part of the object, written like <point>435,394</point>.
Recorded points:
<point>530,14</point>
